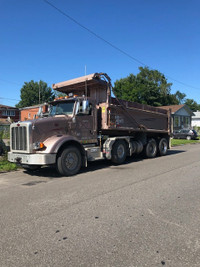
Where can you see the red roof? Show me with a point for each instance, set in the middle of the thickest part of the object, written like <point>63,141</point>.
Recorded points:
<point>174,108</point>
<point>7,107</point>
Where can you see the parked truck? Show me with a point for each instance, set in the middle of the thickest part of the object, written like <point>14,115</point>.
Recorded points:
<point>89,124</point>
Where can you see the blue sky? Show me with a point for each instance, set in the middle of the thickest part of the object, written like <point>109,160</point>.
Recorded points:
<point>38,43</point>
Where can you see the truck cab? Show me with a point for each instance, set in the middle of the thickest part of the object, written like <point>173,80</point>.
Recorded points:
<point>81,117</point>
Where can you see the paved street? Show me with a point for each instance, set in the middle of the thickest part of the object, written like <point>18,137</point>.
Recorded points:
<point>142,213</point>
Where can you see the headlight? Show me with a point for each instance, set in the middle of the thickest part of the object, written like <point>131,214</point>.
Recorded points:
<point>38,145</point>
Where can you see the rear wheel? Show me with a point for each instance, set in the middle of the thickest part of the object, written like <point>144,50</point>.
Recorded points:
<point>69,161</point>
<point>188,137</point>
<point>119,152</point>
<point>151,148</point>
<point>162,147</point>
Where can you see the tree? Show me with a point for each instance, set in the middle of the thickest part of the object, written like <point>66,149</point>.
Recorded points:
<point>147,87</point>
<point>180,97</point>
<point>34,93</point>
<point>193,105</point>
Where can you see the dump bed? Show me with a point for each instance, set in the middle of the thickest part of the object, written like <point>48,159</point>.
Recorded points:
<point>129,116</point>
<point>114,115</point>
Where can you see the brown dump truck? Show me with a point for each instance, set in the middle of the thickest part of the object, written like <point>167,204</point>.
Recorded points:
<point>89,124</point>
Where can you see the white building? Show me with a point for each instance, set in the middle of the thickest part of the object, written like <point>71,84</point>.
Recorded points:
<point>196,119</point>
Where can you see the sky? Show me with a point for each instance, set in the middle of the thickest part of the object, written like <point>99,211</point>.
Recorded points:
<point>39,43</point>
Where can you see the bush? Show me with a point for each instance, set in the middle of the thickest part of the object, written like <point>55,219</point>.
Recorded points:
<point>4,132</point>
<point>6,166</point>
<point>197,129</point>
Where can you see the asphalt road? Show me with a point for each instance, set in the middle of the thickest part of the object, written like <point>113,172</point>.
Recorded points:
<point>142,213</point>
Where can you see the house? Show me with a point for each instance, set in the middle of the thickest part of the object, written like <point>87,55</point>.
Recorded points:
<point>9,112</point>
<point>181,116</point>
<point>30,113</point>
<point>7,115</point>
<point>196,119</point>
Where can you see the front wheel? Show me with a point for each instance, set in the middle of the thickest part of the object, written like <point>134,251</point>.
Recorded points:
<point>119,152</point>
<point>69,161</point>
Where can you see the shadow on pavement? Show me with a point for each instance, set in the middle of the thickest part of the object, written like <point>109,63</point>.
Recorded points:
<point>173,152</point>
<point>51,173</point>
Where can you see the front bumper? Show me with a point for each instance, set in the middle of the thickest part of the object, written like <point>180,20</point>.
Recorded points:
<point>32,159</point>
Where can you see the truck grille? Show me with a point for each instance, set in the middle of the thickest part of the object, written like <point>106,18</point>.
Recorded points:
<point>19,138</point>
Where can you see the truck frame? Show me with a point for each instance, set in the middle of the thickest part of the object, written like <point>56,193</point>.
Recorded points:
<point>89,124</point>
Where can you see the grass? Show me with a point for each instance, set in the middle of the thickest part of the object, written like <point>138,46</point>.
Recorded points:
<point>178,142</point>
<point>6,166</point>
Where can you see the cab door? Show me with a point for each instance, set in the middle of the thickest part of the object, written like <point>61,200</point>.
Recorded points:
<point>85,122</point>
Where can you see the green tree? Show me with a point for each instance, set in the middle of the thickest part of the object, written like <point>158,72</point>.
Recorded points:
<point>34,93</point>
<point>180,97</point>
<point>193,105</point>
<point>147,87</point>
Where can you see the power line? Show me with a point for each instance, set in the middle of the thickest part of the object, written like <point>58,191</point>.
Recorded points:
<point>9,82</point>
<point>93,33</point>
<point>111,44</point>
<point>9,99</point>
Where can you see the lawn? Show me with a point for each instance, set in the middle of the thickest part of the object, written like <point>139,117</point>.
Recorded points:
<point>178,142</point>
<point>6,166</point>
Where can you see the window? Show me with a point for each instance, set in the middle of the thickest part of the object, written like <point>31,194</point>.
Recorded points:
<point>60,108</point>
<point>187,120</point>
<point>8,112</point>
<point>176,121</point>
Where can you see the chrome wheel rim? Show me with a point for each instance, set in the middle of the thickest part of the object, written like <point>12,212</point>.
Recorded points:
<point>71,160</point>
<point>120,151</point>
<point>164,147</point>
<point>152,149</point>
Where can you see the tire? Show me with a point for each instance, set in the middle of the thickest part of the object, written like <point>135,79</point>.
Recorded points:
<point>69,161</point>
<point>188,137</point>
<point>31,168</point>
<point>162,147</point>
<point>151,148</point>
<point>119,152</point>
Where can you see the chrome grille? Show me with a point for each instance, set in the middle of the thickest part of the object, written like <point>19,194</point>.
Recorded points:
<point>19,138</point>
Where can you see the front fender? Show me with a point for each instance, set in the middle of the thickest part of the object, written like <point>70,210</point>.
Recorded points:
<point>54,143</point>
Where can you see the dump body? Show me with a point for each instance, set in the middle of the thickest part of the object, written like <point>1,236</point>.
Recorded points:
<point>130,117</point>
<point>117,116</point>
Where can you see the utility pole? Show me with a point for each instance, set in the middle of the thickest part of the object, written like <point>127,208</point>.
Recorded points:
<point>39,92</point>
<point>85,82</point>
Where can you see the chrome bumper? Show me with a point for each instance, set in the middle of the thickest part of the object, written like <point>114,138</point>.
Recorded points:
<point>32,159</point>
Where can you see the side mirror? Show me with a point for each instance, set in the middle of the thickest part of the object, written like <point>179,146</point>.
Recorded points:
<point>85,105</point>
<point>77,107</point>
<point>82,108</point>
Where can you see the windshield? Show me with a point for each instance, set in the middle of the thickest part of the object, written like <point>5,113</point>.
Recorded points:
<point>60,108</point>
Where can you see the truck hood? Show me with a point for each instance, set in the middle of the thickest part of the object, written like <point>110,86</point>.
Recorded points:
<point>45,127</point>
